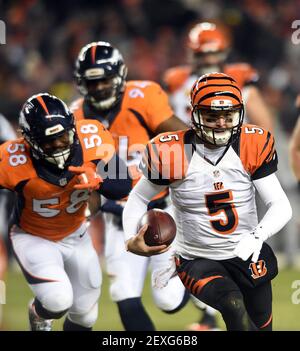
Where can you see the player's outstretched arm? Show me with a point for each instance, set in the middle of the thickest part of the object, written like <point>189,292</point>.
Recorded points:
<point>278,214</point>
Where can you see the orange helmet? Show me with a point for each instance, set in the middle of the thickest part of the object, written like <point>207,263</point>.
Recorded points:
<point>205,37</point>
<point>216,95</point>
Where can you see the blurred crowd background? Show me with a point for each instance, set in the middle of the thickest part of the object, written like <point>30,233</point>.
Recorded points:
<point>43,39</point>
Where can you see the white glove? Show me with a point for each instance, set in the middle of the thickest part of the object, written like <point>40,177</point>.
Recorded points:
<point>250,244</point>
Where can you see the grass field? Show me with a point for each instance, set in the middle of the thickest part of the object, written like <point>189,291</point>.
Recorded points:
<point>286,314</point>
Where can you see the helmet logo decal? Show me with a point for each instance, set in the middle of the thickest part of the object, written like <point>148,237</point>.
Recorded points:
<point>28,107</point>
<point>23,123</point>
<point>221,103</point>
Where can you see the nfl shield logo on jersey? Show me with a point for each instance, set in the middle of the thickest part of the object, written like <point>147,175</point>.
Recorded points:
<point>63,181</point>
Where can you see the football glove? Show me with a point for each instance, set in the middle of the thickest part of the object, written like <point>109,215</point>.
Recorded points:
<point>250,244</point>
<point>88,178</point>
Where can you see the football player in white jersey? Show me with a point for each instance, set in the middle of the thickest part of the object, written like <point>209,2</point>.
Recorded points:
<point>208,47</point>
<point>221,254</point>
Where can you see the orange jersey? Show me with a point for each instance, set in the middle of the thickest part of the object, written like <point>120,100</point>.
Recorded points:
<point>48,206</point>
<point>143,108</point>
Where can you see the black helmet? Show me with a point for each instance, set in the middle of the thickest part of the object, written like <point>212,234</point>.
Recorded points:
<point>100,62</point>
<point>44,118</point>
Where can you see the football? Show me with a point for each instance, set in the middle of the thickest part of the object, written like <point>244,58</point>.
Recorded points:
<point>161,227</point>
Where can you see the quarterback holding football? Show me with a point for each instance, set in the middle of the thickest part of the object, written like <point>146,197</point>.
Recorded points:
<point>221,254</point>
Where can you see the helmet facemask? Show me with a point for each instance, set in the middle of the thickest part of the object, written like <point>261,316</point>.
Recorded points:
<point>103,94</point>
<point>60,156</point>
<point>203,63</point>
<point>57,156</point>
<point>205,123</point>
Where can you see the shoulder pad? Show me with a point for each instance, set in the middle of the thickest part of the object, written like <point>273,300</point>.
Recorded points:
<point>243,73</point>
<point>175,77</point>
<point>257,148</point>
<point>76,109</point>
<point>164,160</point>
<point>96,141</point>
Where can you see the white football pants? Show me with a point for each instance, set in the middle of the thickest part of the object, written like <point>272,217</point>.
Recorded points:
<point>63,275</point>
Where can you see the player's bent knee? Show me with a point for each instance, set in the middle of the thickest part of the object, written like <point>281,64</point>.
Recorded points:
<point>168,304</point>
<point>45,313</point>
<point>87,319</point>
<point>172,297</point>
<point>175,308</point>
<point>232,303</point>
<point>120,291</point>
<point>56,302</point>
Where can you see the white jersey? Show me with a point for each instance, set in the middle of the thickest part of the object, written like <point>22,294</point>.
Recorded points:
<point>213,203</point>
<point>180,99</point>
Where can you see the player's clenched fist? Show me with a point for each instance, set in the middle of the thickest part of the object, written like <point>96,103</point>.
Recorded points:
<point>88,178</point>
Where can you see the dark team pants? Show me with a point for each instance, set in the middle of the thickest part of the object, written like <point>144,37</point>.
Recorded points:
<point>240,290</point>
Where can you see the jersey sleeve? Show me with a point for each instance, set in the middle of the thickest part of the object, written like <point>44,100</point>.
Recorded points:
<point>15,164</point>
<point>97,142</point>
<point>258,152</point>
<point>158,108</point>
<point>164,160</point>
<point>243,73</point>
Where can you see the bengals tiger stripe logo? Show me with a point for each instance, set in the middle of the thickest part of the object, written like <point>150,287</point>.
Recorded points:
<point>258,269</point>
